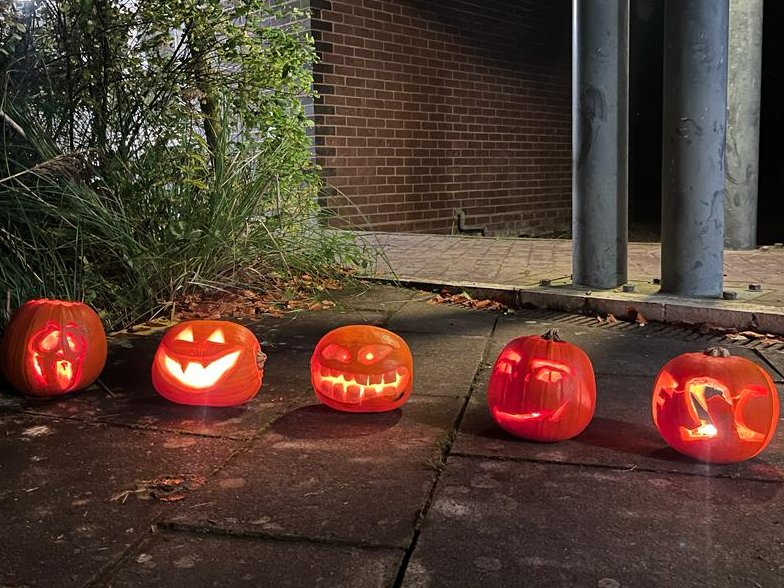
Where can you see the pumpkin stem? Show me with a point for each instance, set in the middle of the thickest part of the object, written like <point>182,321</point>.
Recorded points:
<point>717,351</point>
<point>552,335</point>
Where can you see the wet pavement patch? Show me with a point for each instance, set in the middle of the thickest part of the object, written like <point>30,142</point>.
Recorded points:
<point>59,482</point>
<point>503,523</point>
<point>177,559</point>
<point>323,474</point>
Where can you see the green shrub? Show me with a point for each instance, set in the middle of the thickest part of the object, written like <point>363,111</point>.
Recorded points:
<point>150,149</point>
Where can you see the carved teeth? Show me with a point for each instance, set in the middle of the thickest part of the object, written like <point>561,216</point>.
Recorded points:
<point>355,388</point>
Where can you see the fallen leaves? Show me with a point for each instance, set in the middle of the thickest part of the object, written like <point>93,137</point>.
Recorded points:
<point>466,301</point>
<point>609,319</point>
<point>299,293</point>
<point>167,488</point>
<point>743,336</point>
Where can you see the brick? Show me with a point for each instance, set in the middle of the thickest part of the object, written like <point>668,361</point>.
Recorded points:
<point>430,106</point>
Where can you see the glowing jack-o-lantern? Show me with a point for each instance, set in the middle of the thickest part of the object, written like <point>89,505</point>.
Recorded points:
<point>52,347</point>
<point>208,363</point>
<point>715,407</point>
<point>362,368</point>
<point>542,388</point>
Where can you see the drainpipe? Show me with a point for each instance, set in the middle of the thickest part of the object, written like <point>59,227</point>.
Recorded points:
<point>463,228</point>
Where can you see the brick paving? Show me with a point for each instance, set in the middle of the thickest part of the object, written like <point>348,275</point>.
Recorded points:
<point>511,262</point>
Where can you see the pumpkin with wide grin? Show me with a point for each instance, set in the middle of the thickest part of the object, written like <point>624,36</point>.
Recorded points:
<point>542,388</point>
<point>212,363</point>
<point>362,368</point>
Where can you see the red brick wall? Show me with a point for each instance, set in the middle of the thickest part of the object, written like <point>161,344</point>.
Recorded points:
<point>427,106</point>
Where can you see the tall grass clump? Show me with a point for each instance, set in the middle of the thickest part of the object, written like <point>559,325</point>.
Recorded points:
<point>152,149</point>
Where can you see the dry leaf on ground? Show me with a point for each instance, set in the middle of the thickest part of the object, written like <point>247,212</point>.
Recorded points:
<point>167,488</point>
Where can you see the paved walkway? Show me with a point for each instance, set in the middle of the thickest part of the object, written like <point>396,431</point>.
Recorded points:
<point>285,492</point>
<point>509,262</point>
<point>538,272</point>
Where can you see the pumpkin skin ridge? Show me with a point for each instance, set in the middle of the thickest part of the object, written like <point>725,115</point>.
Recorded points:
<point>238,385</point>
<point>28,322</point>
<point>351,339</point>
<point>737,375</point>
<point>512,392</point>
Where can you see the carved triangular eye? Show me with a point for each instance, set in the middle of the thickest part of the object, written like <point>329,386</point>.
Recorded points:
<point>217,336</point>
<point>185,335</point>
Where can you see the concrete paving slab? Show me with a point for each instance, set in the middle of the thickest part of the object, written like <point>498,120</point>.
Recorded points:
<point>328,475</point>
<point>423,317</point>
<point>376,297</point>
<point>776,360</point>
<point>444,365</point>
<point>621,435</point>
<point>177,559</point>
<point>57,481</point>
<point>303,330</point>
<point>132,401</point>
<point>497,523</point>
<point>622,350</point>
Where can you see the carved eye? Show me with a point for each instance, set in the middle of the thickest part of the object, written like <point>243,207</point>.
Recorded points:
<point>549,371</point>
<point>185,335</point>
<point>74,343</point>
<point>217,336</point>
<point>370,354</point>
<point>508,361</point>
<point>50,342</point>
<point>333,351</point>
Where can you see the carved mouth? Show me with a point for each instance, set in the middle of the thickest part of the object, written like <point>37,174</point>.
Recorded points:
<point>197,375</point>
<point>706,394</point>
<point>63,372</point>
<point>525,417</point>
<point>357,388</point>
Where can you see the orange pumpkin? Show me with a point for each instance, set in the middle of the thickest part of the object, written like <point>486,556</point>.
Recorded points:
<point>52,347</point>
<point>715,407</point>
<point>362,368</point>
<point>542,388</point>
<point>208,363</point>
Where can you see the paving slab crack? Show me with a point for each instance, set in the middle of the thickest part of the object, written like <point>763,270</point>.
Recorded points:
<point>442,462</point>
<point>615,467</point>
<point>207,529</point>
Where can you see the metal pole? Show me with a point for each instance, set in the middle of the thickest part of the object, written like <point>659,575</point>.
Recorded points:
<point>600,94</point>
<point>743,123</point>
<point>695,103</point>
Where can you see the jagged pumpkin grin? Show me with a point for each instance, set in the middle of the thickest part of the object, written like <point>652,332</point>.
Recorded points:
<point>198,375</point>
<point>355,388</point>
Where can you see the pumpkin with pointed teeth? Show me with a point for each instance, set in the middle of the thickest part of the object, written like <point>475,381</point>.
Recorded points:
<point>208,363</point>
<point>362,368</point>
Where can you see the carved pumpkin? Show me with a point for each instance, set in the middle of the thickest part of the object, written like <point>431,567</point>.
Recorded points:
<point>542,388</point>
<point>715,407</point>
<point>361,368</point>
<point>52,347</point>
<point>208,363</point>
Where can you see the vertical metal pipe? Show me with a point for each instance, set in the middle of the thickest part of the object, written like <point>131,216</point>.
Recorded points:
<point>743,123</point>
<point>600,94</point>
<point>695,104</point>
